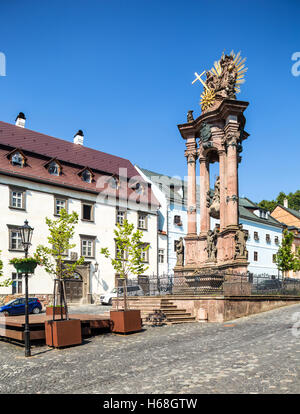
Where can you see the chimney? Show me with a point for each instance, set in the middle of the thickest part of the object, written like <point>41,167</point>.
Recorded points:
<point>20,120</point>
<point>285,203</point>
<point>78,137</point>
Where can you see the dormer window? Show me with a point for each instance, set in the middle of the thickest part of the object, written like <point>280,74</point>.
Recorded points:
<point>86,176</point>
<point>54,168</point>
<point>113,182</point>
<point>139,188</point>
<point>17,158</point>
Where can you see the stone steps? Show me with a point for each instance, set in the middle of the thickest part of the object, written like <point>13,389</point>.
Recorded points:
<point>172,313</point>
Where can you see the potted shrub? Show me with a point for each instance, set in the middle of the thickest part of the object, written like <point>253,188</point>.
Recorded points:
<point>25,264</point>
<point>128,260</point>
<point>63,331</point>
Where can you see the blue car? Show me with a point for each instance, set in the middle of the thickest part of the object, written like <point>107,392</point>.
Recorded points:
<point>17,307</point>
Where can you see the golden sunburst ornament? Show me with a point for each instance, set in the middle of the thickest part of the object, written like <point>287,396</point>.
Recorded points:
<point>208,97</point>
<point>223,79</point>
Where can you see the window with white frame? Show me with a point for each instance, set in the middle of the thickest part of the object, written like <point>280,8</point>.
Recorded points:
<point>87,246</point>
<point>17,198</point>
<point>121,216</point>
<point>142,221</point>
<point>161,256</point>
<point>145,253</point>
<point>16,283</point>
<point>59,204</point>
<point>15,240</point>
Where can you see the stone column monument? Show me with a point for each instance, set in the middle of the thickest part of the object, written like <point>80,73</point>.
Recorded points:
<point>216,136</point>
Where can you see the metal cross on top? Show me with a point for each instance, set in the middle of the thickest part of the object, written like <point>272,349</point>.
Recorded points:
<point>198,77</point>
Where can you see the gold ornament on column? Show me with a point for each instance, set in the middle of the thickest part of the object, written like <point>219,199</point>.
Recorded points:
<point>223,80</point>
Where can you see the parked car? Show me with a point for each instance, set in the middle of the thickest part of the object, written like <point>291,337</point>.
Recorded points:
<point>107,298</point>
<point>17,307</point>
<point>269,284</point>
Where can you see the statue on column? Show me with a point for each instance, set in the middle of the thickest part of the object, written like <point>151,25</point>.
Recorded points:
<point>180,252</point>
<point>240,243</point>
<point>212,238</point>
<point>214,209</point>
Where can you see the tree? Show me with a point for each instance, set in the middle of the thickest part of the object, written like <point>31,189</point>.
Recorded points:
<point>285,258</point>
<point>297,260</point>
<point>128,258</point>
<point>293,201</point>
<point>52,258</point>
<point>6,282</point>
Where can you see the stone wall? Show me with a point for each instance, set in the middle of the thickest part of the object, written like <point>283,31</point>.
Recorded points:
<point>216,308</point>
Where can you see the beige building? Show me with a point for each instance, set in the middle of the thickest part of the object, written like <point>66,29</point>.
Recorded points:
<point>291,220</point>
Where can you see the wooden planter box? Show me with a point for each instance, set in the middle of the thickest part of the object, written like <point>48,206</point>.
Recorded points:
<point>125,321</point>
<point>49,310</point>
<point>63,333</point>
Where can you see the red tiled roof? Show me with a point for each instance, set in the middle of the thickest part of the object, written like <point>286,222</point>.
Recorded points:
<point>40,144</point>
<point>25,139</point>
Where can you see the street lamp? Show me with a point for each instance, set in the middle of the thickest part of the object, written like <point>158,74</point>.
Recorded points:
<point>26,235</point>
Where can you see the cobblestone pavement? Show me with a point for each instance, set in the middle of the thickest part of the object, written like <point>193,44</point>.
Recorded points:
<point>257,354</point>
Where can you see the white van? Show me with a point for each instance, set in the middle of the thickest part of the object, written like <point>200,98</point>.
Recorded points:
<point>135,290</point>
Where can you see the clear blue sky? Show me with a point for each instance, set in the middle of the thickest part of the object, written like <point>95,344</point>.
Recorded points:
<point>121,70</point>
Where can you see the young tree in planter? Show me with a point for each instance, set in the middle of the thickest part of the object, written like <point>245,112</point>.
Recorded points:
<point>52,258</point>
<point>128,258</point>
<point>285,258</point>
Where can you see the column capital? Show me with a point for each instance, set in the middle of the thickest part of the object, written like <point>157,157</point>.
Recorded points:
<point>191,156</point>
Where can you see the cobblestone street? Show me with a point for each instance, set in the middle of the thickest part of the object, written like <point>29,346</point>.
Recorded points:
<point>257,354</point>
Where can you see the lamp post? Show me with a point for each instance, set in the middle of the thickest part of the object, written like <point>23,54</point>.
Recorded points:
<point>26,234</point>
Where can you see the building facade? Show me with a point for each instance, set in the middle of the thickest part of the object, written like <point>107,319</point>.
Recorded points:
<point>290,219</point>
<point>40,175</point>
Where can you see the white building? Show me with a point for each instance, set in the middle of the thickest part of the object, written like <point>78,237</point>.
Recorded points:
<point>39,175</point>
<point>264,237</point>
<point>264,232</point>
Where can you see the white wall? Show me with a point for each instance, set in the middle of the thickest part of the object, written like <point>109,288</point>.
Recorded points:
<point>265,250</point>
<point>40,204</point>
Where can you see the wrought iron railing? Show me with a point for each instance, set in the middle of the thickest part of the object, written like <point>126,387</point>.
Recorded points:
<point>210,283</point>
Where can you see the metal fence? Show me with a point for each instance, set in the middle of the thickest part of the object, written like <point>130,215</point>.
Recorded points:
<point>210,283</point>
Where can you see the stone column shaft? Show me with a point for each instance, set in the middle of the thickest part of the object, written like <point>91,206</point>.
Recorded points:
<point>223,189</point>
<point>232,183</point>
<point>204,187</point>
<point>191,156</point>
